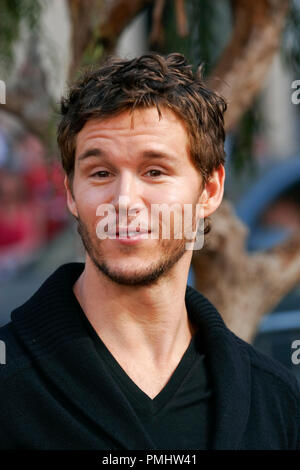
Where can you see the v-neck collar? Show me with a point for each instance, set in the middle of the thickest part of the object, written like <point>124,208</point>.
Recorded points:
<point>51,318</point>
<point>137,395</point>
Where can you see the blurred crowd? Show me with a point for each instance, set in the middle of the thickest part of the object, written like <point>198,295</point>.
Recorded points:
<point>32,200</point>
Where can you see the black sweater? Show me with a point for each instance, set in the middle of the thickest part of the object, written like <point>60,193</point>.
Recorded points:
<point>53,397</point>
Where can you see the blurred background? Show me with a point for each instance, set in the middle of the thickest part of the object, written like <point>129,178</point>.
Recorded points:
<point>250,53</point>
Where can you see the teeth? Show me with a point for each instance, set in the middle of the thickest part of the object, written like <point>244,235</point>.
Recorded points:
<point>133,234</point>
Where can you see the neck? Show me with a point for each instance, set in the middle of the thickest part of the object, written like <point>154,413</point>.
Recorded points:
<point>147,322</point>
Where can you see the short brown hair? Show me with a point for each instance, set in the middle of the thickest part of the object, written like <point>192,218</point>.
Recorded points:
<point>147,81</point>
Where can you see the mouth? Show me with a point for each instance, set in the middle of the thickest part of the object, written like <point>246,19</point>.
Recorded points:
<point>124,233</point>
<point>131,237</point>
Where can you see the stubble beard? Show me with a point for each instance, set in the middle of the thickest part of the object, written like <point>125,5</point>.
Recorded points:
<point>171,251</point>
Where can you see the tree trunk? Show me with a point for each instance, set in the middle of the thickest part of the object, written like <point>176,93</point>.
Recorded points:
<point>240,72</point>
<point>243,286</point>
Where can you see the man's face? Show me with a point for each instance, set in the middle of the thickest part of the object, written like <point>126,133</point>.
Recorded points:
<point>148,162</point>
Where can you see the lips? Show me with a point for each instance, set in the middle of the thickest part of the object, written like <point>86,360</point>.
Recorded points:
<point>133,234</point>
<point>127,230</point>
<point>131,237</point>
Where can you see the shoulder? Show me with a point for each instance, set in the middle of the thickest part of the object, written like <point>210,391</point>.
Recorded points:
<point>47,319</point>
<point>269,372</point>
<point>275,396</point>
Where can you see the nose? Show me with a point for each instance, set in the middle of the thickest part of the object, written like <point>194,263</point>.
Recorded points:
<point>128,197</point>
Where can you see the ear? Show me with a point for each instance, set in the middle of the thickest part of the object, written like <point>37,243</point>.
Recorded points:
<point>212,195</point>
<point>70,199</point>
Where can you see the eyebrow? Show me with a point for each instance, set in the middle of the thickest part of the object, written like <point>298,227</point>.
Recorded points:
<point>90,153</point>
<point>96,152</point>
<point>158,155</point>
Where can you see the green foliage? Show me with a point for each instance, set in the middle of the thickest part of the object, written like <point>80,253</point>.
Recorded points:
<point>250,125</point>
<point>171,41</point>
<point>94,51</point>
<point>13,13</point>
<point>209,28</point>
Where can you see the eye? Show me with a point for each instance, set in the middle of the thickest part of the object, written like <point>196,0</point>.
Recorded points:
<point>100,173</point>
<point>155,171</point>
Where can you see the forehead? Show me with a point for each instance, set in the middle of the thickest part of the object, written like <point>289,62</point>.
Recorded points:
<point>142,126</point>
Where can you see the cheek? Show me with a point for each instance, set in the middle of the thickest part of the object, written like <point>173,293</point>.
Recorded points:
<point>87,201</point>
<point>86,195</point>
<point>184,193</point>
<point>165,194</point>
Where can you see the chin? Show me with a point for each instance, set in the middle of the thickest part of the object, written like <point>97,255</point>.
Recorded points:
<point>127,270</point>
<point>129,274</point>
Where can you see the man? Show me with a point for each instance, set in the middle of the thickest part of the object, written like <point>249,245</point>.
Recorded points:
<point>118,352</point>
